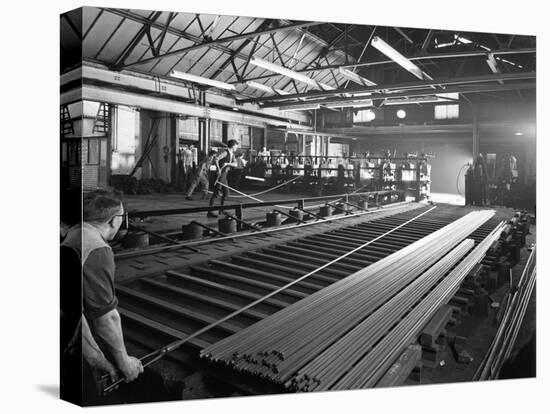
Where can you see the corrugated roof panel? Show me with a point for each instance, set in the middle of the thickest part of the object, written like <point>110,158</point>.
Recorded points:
<point>192,28</point>
<point>217,59</point>
<point>143,49</point>
<point>223,23</point>
<point>170,43</point>
<point>243,24</point>
<point>263,44</point>
<point>99,34</point>
<point>207,20</point>
<point>88,16</point>
<point>303,56</point>
<point>163,66</point>
<point>208,60</point>
<point>182,20</point>
<point>120,40</point>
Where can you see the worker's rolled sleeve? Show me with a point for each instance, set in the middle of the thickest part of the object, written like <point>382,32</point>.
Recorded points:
<point>99,296</point>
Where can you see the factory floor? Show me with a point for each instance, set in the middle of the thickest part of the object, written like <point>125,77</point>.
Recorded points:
<point>479,331</point>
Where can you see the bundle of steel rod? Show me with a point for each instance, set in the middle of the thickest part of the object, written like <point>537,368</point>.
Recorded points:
<point>374,364</point>
<point>279,345</point>
<point>332,364</point>
<point>508,329</point>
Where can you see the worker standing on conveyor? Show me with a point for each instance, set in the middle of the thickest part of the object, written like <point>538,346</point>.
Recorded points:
<point>223,160</point>
<point>201,176</point>
<point>85,251</point>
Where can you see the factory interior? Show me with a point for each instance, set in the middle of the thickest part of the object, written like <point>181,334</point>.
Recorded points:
<point>308,206</point>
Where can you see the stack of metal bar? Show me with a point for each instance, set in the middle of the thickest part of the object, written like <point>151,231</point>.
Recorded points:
<point>344,335</point>
<point>509,327</point>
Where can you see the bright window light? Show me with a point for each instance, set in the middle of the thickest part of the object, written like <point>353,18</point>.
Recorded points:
<point>366,115</point>
<point>446,111</point>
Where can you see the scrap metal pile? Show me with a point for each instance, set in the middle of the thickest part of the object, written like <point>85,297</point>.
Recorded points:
<point>346,335</point>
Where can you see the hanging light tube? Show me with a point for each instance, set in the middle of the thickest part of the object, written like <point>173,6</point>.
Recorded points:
<point>360,103</point>
<point>304,107</point>
<point>204,81</point>
<point>348,74</point>
<point>493,65</point>
<point>289,73</point>
<point>398,58</point>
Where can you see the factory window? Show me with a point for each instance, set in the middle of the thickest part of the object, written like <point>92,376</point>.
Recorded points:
<point>364,115</point>
<point>446,111</point>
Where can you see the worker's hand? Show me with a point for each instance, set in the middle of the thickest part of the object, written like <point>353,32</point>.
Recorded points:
<point>131,368</point>
<point>103,370</point>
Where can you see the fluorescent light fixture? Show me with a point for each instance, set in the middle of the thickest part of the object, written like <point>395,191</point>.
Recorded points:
<point>398,58</point>
<point>463,39</point>
<point>440,97</point>
<point>289,73</point>
<point>509,62</point>
<point>360,103</point>
<point>401,113</point>
<point>304,107</point>
<point>416,100</point>
<point>199,79</point>
<point>519,134</point>
<point>281,92</point>
<point>260,87</point>
<point>493,65</point>
<point>348,74</point>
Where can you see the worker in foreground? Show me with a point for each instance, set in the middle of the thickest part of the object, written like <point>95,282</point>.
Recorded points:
<point>94,317</point>
<point>224,160</point>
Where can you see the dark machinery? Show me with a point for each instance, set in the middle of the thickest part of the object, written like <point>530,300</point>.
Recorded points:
<point>488,183</point>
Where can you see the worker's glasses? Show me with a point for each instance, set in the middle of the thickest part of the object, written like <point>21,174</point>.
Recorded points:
<point>124,216</point>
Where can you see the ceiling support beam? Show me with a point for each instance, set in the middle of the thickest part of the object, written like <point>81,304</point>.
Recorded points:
<point>405,86</point>
<point>119,62</point>
<point>200,43</point>
<point>354,68</point>
<point>178,33</point>
<point>230,60</point>
<point>404,35</point>
<point>413,92</point>
<point>427,41</point>
<point>157,49</point>
<point>250,57</point>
